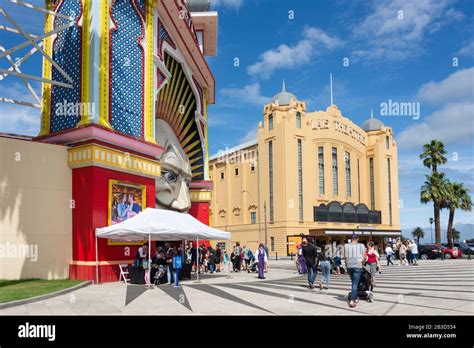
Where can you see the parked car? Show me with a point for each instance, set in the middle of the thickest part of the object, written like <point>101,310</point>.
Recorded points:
<point>429,252</point>
<point>461,246</point>
<point>449,253</point>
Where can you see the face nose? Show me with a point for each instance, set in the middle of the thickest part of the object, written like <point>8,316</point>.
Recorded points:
<point>183,202</point>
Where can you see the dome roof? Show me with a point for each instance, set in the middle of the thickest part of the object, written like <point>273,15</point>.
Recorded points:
<point>372,124</point>
<point>284,97</point>
<point>198,5</point>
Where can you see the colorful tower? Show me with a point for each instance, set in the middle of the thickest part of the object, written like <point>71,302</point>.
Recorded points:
<point>136,101</point>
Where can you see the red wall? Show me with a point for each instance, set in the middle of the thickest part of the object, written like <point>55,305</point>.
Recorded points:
<point>200,210</point>
<point>90,190</point>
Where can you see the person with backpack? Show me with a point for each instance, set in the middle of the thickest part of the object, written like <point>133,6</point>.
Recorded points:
<point>354,256</point>
<point>248,258</point>
<point>262,259</point>
<point>310,254</point>
<point>211,259</point>
<point>237,257</point>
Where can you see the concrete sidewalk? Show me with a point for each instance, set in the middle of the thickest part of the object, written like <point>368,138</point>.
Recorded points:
<point>432,288</point>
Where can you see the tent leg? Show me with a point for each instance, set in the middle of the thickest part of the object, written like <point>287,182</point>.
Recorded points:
<point>96,261</point>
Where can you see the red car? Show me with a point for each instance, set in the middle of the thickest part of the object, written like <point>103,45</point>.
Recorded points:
<point>449,253</point>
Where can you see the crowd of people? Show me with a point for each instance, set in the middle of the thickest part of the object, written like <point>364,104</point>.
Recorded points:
<point>329,257</point>
<point>211,260</point>
<point>357,257</point>
<point>353,257</point>
<point>406,252</point>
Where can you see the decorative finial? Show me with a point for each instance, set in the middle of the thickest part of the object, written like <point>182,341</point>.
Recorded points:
<point>283,88</point>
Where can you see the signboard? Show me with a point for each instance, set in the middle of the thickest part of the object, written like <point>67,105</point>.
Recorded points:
<point>125,201</point>
<point>177,262</point>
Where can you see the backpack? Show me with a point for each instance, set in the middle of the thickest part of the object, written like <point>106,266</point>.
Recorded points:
<point>250,254</point>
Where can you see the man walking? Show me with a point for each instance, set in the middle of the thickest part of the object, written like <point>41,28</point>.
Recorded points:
<point>310,254</point>
<point>389,254</point>
<point>237,257</point>
<point>414,253</point>
<point>354,256</point>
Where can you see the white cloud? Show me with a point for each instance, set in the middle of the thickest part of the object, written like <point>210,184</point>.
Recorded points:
<point>313,42</point>
<point>395,29</point>
<point>18,119</point>
<point>249,94</point>
<point>467,50</point>
<point>453,122</point>
<point>235,4</point>
<point>250,135</point>
<point>456,87</point>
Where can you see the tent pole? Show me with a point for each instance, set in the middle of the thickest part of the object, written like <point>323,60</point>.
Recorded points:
<point>149,258</point>
<point>96,261</point>
<point>197,264</point>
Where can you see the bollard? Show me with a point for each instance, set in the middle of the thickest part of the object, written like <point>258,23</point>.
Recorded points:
<point>291,256</point>
<point>276,256</point>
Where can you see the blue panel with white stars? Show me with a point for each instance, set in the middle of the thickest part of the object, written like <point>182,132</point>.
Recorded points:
<point>65,112</point>
<point>126,70</point>
<point>141,6</point>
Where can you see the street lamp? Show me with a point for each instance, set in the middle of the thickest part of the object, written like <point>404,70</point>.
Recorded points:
<point>431,220</point>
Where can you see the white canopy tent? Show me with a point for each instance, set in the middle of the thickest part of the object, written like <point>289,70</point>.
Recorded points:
<point>159,225</point>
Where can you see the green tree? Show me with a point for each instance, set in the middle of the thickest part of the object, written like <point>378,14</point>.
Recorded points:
<point>435,190</point>
<point>457,198</point>
<point>433,155</point>
<point>418,233</point>
<point>455,234</point>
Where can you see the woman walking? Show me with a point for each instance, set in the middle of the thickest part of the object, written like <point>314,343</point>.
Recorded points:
<point>301,262</point>
<point>402,252</point>
<point>262,260</point>
<point>372,260</point>
<point>325,262</point>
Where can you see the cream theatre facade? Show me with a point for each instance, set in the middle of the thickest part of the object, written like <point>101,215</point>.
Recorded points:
<point>312,173</point>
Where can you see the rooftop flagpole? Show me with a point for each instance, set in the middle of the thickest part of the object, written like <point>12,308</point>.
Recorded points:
<point>330,87</point>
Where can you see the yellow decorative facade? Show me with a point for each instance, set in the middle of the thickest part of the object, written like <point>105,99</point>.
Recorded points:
<point>101,156</point>
<point>312,173</point>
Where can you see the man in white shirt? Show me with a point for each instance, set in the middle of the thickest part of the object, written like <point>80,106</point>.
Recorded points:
<point>389,254</point>
<point>414,253</point>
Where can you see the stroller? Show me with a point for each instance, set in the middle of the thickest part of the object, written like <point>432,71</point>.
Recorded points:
<point>365,287</point>
<point>160,275</point>
<point>253,265</point>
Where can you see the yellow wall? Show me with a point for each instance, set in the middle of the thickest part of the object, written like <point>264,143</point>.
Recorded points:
<point>230,206</point>
<point>35,197</point>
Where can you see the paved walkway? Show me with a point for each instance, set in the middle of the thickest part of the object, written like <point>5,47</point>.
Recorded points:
<point>432,288</point>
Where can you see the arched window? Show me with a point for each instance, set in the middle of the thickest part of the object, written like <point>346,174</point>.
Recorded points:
<point>362,213</point>
<point>321,213</point>
<point>335,211</point>
<point>349,212</point>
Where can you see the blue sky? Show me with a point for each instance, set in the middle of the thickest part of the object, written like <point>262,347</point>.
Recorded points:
<point>398,50</point>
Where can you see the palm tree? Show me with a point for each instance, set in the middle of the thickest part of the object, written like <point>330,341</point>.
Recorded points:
<point>435,190</point>
<point>433,155</point>
<point>458,198</point>
<point>455,234</point>
<point>418,233</point>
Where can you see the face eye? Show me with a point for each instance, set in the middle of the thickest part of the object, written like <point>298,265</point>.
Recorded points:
<point>169,176</point>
